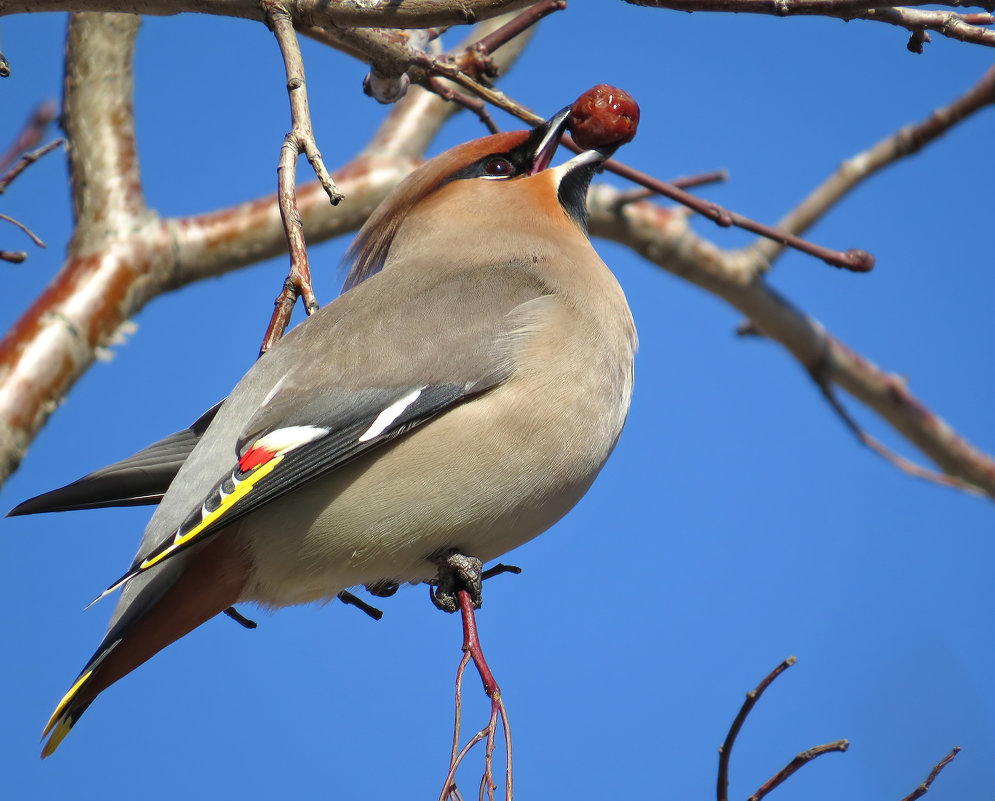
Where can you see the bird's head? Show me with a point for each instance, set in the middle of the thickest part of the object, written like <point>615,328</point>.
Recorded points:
<point>504,173</point>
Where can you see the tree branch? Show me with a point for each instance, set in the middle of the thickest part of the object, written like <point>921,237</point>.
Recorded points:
<point>663,237</point>
<point>30,136</point>
<point>300,137</point>
<point>789,8</point>
<point>322,13</point>
<point>122,255</point>
<point>854,171</point>
<point>797,764</point>
<point>725,750</point>
<point>923,788</point>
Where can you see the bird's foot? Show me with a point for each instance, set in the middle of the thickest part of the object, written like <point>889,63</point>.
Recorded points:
<point>457,571</point>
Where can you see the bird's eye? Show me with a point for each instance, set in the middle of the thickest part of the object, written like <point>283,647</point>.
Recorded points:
<point>499,167</point>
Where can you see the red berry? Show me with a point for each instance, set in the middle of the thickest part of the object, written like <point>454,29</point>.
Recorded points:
<point>603,115</point>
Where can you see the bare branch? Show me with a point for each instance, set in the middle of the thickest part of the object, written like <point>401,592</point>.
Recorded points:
<point>31,134</point>
<point>854,259</point>
<point>517,26</point>
<point>903,464</point>
<point>963,27</point>
<point>324,13</point>
<point>99,121</point>
<point>210,244</point>
<point>122,255</point>
<point>797,763</point>
<point>725,750</point>
<point>24,228</point>
<point>787,8</point>
<point>14,257</point>
<point>923,788</point>
<point>899,145</point>
<point>300,137</point>
<point>663,237</point>
<point>25,161</point>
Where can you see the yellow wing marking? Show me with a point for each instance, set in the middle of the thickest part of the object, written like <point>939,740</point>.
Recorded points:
<point>243,489</point>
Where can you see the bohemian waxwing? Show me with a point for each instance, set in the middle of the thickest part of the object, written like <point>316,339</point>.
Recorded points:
<point>460,396</point>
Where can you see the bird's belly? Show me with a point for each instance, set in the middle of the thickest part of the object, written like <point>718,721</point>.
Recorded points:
<point>443,486</point>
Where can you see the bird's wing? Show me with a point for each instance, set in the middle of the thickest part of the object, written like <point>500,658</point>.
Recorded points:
<point>317,416</point>
<point>140,480</point>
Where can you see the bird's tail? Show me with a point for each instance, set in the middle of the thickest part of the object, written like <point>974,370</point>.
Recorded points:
<point>209,580</point>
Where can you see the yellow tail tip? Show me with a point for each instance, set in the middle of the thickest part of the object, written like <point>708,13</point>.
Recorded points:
<point>58,735</point>
<point>60,723</point>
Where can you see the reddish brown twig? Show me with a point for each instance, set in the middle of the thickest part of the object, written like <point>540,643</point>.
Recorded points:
<point>300,137</point>
<point>725,750</point>
<point>796,764</point>
<point>31,134</point>
<point>855,260</point>
<point>923,788</point>
<point>472,650</point>
<point>684,182</point>
<point>514,27</point>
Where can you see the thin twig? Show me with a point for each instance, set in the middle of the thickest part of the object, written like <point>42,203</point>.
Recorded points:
<point>725,750</point>
<point>32,132</point>
<point>796,764</point>
<point>854,259</point>
<point>905,465</point>
<point>901,144</point>
<point>13,256</point>
<point>26,160</point>
<point>787,8</point>
<point>24,228</point>
<point>300,137</point>
<point>684,182</point>
<point>474,104</point>
<point>923,788</point>
<point>515,27</point>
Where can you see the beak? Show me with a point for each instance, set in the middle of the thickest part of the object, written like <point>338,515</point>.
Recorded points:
<point>546,138</point>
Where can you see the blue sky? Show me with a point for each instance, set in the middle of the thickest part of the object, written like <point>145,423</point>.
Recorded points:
<point>737,522</point>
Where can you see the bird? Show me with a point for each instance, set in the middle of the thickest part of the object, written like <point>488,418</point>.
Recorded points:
<point>458,397</point>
